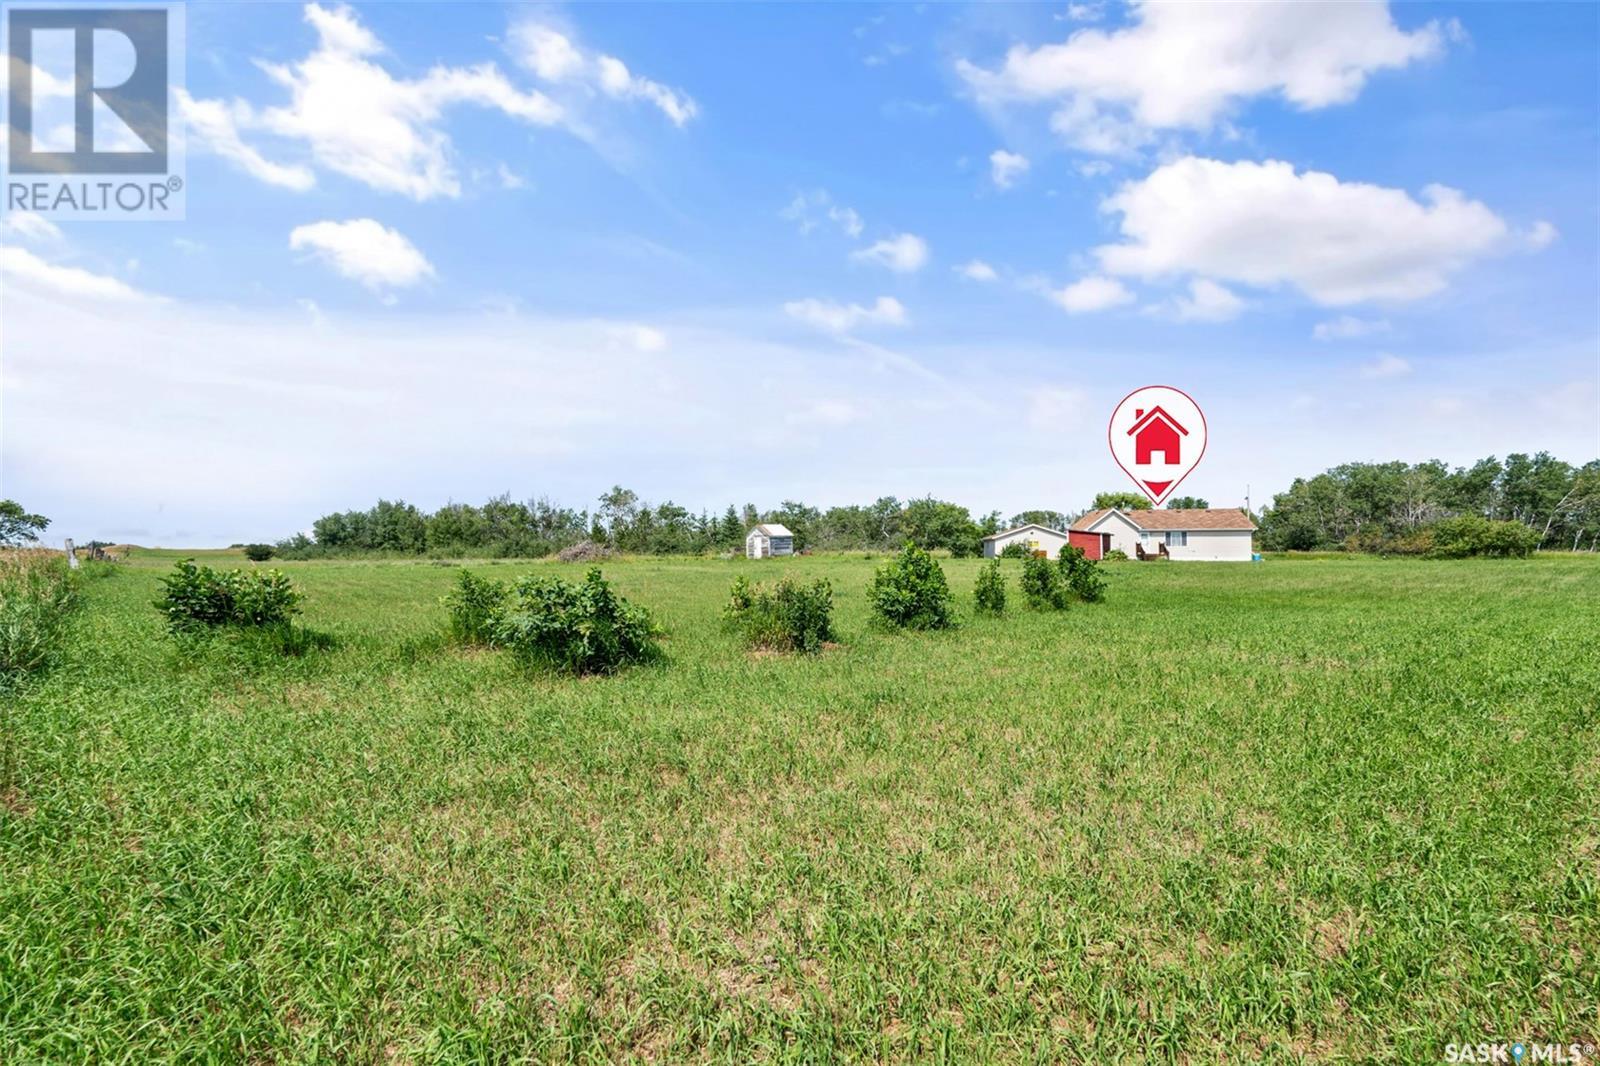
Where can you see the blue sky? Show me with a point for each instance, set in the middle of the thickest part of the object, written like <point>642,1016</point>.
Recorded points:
<point>726,253</point>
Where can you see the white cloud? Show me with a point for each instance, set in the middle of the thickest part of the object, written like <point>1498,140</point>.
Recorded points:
<point>639,338</point>
<point>1263,224</point>
<point>213,125</point>
<point>1085,12</point>
<point>904,253</point>
<point>27,226</point>
<point>1208,302</point>
<point>1348,327</point>
<point>1093,293</point>
<point>357,119</point>
<point>27,270</point>
<point>808,210</point>
<point>1540,235</point>
<point>842,318</point>
<point>1385,366</point>
<point>1006,167</point>
<point>1094,168</point>
<point>827,412</point>
<point>554,57</point>
<point>977,270</point>
<point>1182,65</point>
<point>364,250</point>
<point>510,179</point>
<point>1052,407</point>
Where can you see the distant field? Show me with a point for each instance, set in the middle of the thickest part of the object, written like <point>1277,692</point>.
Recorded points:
<point>1305,810</point>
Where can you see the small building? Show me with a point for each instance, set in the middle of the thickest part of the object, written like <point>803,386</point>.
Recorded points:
<point>767,540</point>
<point>1215,534</point>
<point>1038,540</point>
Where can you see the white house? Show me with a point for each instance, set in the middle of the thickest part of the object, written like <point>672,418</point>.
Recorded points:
<point>1037,538</point>
<point>768,540</point>
<point>1219,534</point>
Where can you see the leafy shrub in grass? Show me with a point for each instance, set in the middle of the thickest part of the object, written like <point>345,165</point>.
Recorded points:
<point>37,593</point>
<point>258,553</point>
<point>991,591</point>
<point>1458,538</point>
<point>910,591</point>
<point>1115,555</point>
<point>198,597</point>
<point>786,616</point>
<point>581,628</point>
<point>1043,585</point>
<point>476,607</point>
<point>1081,575</point>
<point>1016,550</point>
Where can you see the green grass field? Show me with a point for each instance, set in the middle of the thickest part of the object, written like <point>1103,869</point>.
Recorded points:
<point>1311,810</point>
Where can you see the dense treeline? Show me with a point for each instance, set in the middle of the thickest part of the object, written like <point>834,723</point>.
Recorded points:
<point>1378,506</point>
<point>1357,506</point>
<point>622,521</point>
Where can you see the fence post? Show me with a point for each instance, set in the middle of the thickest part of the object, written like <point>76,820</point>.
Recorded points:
<point>72,556</point>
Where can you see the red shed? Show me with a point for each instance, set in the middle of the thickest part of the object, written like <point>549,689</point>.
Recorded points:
<point>1094,545</point>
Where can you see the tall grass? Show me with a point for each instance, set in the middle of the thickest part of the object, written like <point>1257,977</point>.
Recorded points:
<point>37,592</point>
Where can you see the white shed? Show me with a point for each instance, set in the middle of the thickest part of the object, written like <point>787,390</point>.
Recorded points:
<point>767,540</point>
<point>1037,538</point>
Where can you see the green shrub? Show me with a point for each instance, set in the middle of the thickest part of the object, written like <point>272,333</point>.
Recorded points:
<point>583,629</point>
<point>1016,550</point>
<point>476,607</point>
<point>910,591</point>
<point>36,596</point>
<point>786,616</point>
<point>196,597</point>
<point>1081,575</point>
<point>991,591</point>
<point>1115,555</point>
<point>258,553</point>
<point>1458,538</point>
<point>1043,586</point>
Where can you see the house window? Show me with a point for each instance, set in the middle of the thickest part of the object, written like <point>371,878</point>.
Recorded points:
<point>1178,539</point>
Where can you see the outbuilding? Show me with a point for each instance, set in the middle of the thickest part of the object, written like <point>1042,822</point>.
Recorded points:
<point>767,540</point>
<point>1213,534</point>
<point>1036,538</point>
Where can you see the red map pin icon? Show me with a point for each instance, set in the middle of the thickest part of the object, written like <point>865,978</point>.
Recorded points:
<point>1157,436</point>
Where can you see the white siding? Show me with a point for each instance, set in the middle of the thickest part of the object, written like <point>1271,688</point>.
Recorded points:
<point>1210,545</point>
<point>1046,540</point>
<point>1124,534</point>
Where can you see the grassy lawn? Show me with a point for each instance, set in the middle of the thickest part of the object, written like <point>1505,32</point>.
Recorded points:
<point>1306,810</point>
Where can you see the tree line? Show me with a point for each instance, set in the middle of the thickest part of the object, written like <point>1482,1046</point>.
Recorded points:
<point>1369,506</point>
<point>1357,506</point>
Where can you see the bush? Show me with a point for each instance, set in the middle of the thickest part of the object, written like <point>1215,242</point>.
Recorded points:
<point>197,596</point>
<point>786,616</point>
<point>1081,575</point>
<point>1016,550</point>
<point>1042,584</point>
<point>1458,538</point>
<point>476,606</point>
<point>582,629</point>
<point>1115,555</point>
<point>37,593</point>
<point>258,553</point>
<point>991,591</point>
<point>910,591</point>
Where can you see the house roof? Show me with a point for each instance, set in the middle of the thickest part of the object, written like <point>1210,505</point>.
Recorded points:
<point>1020,529</point>
<point>772,529</point>
<point>1167,518</point>
<point>1152,413</point>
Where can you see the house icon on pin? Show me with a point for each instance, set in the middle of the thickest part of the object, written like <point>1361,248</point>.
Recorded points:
<point>1156,431</point>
